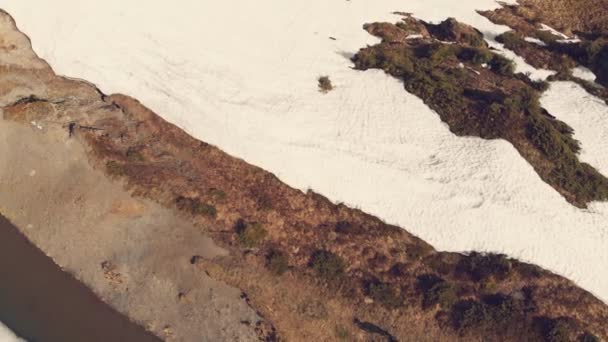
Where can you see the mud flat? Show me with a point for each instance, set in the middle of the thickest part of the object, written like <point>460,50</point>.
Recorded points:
<point>40,302</point>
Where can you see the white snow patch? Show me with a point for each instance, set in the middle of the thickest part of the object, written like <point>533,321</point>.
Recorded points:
<point>414,36</point>
<point>242,75</point>
<point>587,114</point>
<point>545,27</point>
<point>474,71</point>
<point>569,41</point>
<point>583,73</point>
<point>535,41</point>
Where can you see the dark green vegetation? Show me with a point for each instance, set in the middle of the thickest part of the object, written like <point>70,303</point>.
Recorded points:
<point>480,267</point>
<point>276,261</point>
<point>476,92</point>
<point>488,311</point>
<point>558,55</point>
<point>436,290</point>
<point>383,293</point>
<point>196,207</point>
<point>325,84</point>
<point>328,265</point>
<point>590,53</point>
<point>492,310</point>
<point>250,235</point>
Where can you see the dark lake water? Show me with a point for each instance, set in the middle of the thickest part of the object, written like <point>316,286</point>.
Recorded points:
<point>40,302</point>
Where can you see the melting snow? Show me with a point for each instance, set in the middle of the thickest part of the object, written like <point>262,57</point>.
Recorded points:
<point>414,36</point>
<point>583,73</point>
<point>588,116</point>
<point>545,27</point>
<point>535,41</point>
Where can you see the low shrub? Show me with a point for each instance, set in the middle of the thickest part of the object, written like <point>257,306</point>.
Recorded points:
<point>512,40</point>
<point>480,266</point>
<point>555,329</point>
<point>346,227</point>
<point>544,135</point>
<point>250,235</point>
<point>417,251</point>
<point>384,294</point>
<point>325,84</point>
<point>196,207</point>
<point>589,337</point>
<point>501,308</point>
<point>438,52</point>
<point>452,30</point>
<point>327,264</point>
<point>599,63</point>
<point>501,65</point>
<point>115,169</point>
<point>523,100</point>
<point>276,262</point>
<point>469,314</point>
<point>475,55</point>
<point>492,311</point>
<point>436,290</point>
<point>529,270</point>
<point>547,36</point>
<point>204,209</point>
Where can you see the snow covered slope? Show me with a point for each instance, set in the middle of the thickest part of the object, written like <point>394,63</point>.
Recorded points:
<point>6,335</point>
<point>588,116</point>
<point>243,75</point>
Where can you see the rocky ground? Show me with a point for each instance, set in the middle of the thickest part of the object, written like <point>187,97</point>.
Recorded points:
<point>197,245</point>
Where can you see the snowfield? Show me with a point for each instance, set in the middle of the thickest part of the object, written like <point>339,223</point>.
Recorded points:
<point>7,336</point>
<point>243,75</point>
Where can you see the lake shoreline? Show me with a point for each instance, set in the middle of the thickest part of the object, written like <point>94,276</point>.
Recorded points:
<point>40,302</point>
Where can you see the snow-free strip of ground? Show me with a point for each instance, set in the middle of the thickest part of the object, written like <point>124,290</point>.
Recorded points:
<point>243,74</point>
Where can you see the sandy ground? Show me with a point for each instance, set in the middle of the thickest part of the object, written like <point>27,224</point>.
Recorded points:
<point>84,221</point>
<point>243,76</point>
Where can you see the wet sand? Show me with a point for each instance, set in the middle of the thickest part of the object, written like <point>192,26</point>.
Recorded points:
<point>40,302</point>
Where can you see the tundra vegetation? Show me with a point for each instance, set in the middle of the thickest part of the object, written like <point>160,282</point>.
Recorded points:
<point>476,92</point>
<point>589,49</point>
